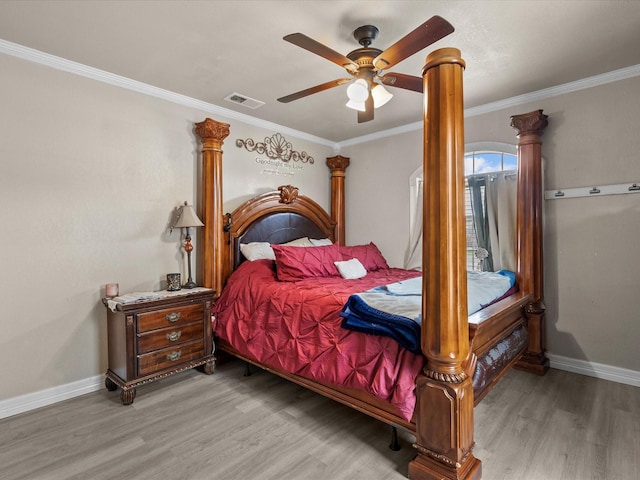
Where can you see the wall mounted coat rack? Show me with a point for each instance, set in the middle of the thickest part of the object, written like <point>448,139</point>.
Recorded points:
<point>595,191</point>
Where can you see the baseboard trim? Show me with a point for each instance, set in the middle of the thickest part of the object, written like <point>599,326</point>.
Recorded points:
<point>31,401</point>
<point>597,370</point>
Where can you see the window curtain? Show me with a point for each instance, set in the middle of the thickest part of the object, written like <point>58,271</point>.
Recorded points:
<point>477,184</point>
<point>413,255</point>
<point>501,191</point>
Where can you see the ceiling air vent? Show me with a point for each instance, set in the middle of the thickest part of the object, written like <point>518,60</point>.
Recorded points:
<point>243,100</point>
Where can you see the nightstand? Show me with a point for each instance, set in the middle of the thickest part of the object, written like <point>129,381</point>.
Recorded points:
<point>154,338</point>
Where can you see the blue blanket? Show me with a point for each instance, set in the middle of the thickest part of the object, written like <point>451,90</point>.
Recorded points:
<point>395,310</point>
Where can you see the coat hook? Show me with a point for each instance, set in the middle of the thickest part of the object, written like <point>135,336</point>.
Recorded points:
<point>634,187</point>
<point>559,193</point>
<point>594,190</point>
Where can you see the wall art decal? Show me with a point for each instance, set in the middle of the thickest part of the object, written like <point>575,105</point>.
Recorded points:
<point>275,147</point>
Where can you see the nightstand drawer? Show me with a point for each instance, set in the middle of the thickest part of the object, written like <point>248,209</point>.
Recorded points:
<point>157,337</point>
<point>169,357</point>
<point>166,337</point>
<point>169,316</point>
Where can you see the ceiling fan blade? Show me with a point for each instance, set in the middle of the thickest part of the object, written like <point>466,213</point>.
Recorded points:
<point>367,115</point>
<point>400,80</point>
<point>429,32</point>
<point>312,90</point>
<point>318,48</point>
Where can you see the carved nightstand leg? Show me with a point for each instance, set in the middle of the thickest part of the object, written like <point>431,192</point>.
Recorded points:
<point>210,366</point>
<point>127,395</point>
<point>110,384</point>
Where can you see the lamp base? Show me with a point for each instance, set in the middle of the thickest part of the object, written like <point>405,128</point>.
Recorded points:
<point>189,284</point>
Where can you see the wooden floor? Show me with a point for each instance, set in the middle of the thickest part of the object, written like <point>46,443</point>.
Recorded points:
<point>227,426</point>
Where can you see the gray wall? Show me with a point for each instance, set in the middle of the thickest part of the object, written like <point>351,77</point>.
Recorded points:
<point>89,177</point>
<point>90,174</point>
<point>591,253</point>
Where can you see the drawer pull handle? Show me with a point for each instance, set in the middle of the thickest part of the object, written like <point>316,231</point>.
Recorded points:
<point>173,356</point>
<point>173,336</point>
<point>173,317</point>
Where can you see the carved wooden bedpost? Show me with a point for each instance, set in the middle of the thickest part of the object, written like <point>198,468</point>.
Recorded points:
<point>212,134</point>
<point>444,432</point>
<point>338,165</point>
<point>530,127</point>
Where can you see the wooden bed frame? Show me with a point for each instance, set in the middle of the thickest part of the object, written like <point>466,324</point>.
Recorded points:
<point>451,341</point>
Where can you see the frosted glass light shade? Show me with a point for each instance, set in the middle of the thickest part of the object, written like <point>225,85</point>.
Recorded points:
<point>356,105</point>
<point>380,96</point>
<point>358,91</point>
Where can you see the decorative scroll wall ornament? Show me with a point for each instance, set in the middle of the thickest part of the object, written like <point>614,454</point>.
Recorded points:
<point>288,194</point>
<point>275,147</point>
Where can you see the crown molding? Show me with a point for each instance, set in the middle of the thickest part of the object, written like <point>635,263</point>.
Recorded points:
<point>411,127</point>
<point>590,82</point>
<point>59,63</point>
<point>76,68</point>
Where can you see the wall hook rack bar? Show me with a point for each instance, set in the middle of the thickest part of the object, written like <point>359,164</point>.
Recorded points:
<point>594,191</point>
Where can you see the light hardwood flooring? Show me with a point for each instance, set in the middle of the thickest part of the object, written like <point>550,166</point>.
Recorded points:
<point>227,426</point>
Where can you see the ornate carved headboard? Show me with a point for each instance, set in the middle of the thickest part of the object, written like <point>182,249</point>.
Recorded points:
<point>275,217</point>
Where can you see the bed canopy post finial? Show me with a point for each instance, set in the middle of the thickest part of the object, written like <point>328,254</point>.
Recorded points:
<point>444,408</point>
<point>212,135</point>
<point>530,127</point>
<point>338,165</point>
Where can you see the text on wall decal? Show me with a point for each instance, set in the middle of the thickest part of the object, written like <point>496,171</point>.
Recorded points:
<point>275,147</point>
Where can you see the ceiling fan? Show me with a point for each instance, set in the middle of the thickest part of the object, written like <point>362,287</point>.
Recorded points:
<point>366,65</point>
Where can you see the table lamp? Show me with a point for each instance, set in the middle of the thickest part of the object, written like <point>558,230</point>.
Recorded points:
<point>187,218</point>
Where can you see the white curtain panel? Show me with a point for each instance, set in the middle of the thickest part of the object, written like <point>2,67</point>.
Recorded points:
<point>501,191</point>
<point>413,255</point>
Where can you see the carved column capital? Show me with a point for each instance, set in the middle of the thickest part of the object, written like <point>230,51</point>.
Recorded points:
<point>211,130</point>
<point>337,164</point>
<point>529,123</point>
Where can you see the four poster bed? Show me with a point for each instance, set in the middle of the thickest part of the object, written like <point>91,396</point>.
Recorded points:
<point>459,357</point>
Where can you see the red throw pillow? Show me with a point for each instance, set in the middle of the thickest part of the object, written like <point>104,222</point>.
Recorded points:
<point>369,256</point>
<point>296,263</point>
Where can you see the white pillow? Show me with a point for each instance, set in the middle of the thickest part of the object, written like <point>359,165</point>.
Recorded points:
<point>257,251</point>
<point>299,242</point>
<point>350,269</point>
<point>320,242</point>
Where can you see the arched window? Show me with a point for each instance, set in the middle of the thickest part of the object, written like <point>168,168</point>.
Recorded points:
<point>490,196</point>
<point>490,201</point>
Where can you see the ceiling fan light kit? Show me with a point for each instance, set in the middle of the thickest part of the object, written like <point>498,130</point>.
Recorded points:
<point>359,106</point>
<point>358,91</point>
<point>380,95</point>
<point>366,64</point>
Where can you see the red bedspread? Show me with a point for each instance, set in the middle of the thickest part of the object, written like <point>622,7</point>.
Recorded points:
<point>295,327</point>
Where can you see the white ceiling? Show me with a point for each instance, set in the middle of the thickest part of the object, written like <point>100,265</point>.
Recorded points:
<point>209,49</point>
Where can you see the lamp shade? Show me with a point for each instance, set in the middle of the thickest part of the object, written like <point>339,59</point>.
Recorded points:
<point>356,105</point>
<point>187,218</point>
<point>358,91</point>
<point>380,96</point>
